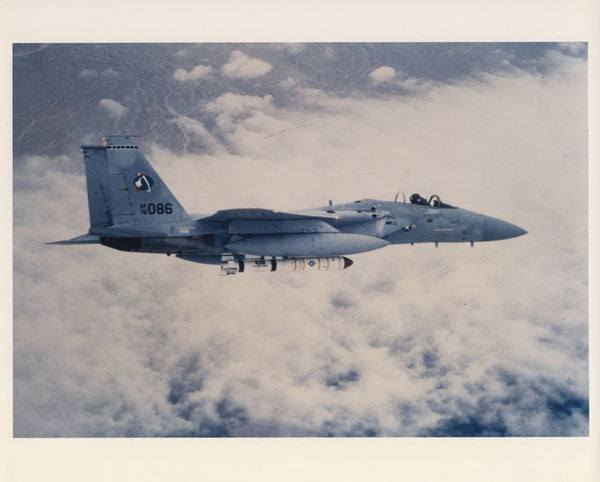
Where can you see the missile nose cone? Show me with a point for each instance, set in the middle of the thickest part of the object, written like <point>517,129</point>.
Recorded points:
<point>497,229</point>
<point>347,262</point>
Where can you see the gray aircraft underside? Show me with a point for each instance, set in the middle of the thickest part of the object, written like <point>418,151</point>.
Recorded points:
<point>131,209</point>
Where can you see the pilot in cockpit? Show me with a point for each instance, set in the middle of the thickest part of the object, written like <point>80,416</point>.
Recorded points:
<point>417,199</point>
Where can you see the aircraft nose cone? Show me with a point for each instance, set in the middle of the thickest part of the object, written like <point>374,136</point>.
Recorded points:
<point>497,229</point>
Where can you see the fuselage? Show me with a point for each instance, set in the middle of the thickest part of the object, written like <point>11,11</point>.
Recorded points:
<point>334,230</point>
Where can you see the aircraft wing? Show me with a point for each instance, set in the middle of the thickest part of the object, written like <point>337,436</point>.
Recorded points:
<point>324,214</point>
<point>265,221</point>
<point>278,226</point>
<point>253,214</point>
<point>83,239</point>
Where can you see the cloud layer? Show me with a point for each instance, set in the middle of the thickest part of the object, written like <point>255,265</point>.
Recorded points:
<point>241,66</point>
<point>198,72</point>
<point>410,341</point>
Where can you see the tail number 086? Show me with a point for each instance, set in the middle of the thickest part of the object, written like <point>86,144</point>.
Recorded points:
<point>158,208</point>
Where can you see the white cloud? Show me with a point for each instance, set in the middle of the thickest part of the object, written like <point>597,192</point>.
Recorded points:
<point>88,73</point>
<point>230,107</point>
<point>114,108</point>
<point>288,83</point>
<point>382,74</point>
<point>241,66</point>
<point>408,341</point>
<point>236,104</point>
<point>196,130</point>
<point>417,86</point>
<point>198,72</point>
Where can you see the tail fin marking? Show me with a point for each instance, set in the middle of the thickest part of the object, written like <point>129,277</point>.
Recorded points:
<point>125,191</point>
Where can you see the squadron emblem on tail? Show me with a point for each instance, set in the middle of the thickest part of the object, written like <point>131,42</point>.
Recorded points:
<point>143,183</point>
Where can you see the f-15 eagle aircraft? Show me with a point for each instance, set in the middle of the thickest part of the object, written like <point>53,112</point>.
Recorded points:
<point>132,209</point>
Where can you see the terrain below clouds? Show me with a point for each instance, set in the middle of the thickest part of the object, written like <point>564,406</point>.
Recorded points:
<point>65,93</point>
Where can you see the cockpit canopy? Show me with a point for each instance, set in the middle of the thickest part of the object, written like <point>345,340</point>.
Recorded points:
<point>434,201</point>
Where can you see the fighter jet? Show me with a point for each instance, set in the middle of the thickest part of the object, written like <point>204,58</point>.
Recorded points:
<point>132,209</point>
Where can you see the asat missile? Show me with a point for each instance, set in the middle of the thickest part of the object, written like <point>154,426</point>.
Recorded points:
<point>258,265</point>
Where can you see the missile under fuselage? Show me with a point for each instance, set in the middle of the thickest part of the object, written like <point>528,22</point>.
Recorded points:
<point>261,265</point>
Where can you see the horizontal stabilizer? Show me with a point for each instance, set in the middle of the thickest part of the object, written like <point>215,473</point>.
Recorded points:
<point>129,232</point>
<point>83,239</point>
